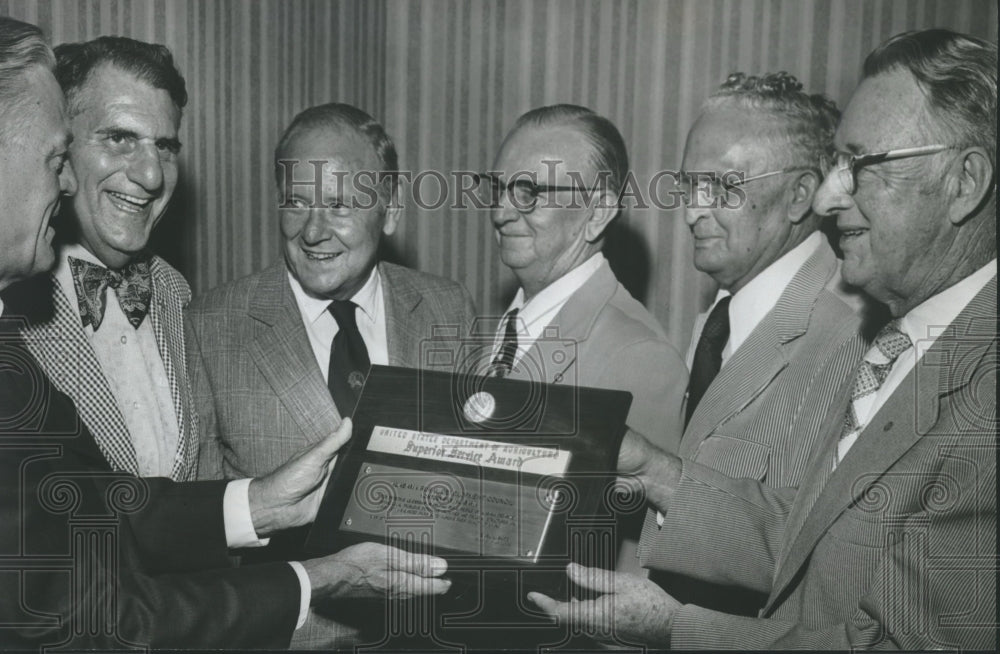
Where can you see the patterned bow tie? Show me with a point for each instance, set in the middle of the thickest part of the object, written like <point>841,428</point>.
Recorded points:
<point>132,284</point>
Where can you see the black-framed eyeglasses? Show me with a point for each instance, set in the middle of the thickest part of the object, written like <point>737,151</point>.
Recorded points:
<point>522,191</point>
<point>715,187</point>
<point>845,165</point>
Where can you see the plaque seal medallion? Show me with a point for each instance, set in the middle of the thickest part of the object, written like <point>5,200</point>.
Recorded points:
<point>480,407</point>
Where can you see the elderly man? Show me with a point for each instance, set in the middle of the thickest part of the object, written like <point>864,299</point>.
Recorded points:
<point>782,334</point>
<point>149,577</point>
<point>278,357</point>
<point>891,539</point>
<point>107,326</point>
<point>550,227</point>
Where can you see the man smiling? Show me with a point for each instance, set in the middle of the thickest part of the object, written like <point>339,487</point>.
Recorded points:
<point>109,331</point>
<point>277,358</point>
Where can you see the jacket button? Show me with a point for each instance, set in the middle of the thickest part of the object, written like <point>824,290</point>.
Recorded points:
<point>887,426</point>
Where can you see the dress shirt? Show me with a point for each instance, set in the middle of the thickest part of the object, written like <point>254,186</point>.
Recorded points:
<point>752,302</point>
<point>922,324</point>
<point>321,326</point>
<point>131,363</point>
<point>535,315</point>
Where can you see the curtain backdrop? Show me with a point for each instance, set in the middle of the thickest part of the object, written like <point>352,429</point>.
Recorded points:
<point>448,78</point>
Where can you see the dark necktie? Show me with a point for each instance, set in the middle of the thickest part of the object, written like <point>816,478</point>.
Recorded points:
<point>708,355</point>
<point>503,362</point>
<point>349,362</point>
<point>132,284</point>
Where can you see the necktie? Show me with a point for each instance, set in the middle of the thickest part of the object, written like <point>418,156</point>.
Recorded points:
<point>349,362</point>
<point>708,354</point>
<point>889,343</point>
<point>132,284</point>
<point>503,362</point>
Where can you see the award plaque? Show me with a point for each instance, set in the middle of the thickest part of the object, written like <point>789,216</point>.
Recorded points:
<point>489,473</point>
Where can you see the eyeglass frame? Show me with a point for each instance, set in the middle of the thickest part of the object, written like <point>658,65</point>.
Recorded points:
<point>847,161</point>
<point>727,186</point>
<point>536,189</point>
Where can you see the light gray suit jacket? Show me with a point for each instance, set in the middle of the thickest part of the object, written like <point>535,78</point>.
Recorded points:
<point>896,548</point>
<point>762,414</point>
<point>603,337</point>
<point>61,346</point>
<point>260,394</point>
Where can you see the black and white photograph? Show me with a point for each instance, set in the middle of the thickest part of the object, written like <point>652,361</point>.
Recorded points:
<point>526,326</point>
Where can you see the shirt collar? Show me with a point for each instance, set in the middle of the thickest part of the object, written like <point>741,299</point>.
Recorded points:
<point>557,293</point>
<point>752,302</point>
<point>312,308</point>
<point>925,322</point>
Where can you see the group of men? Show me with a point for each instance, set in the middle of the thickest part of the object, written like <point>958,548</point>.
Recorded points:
<point>820,479</point>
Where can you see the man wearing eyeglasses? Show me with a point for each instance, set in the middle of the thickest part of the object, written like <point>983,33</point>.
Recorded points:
<point>783,332</point>
<point>890,541</point>
<point>279,357</point>
<point>555,185</point>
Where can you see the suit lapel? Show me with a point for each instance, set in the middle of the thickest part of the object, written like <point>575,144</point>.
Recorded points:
<point>66,355</point>
<point>285,359</point>
<point>169,299</point>
<point>403,334</point>
<point>765,352</point>
<point>568,332</point>
<point>966,340</point>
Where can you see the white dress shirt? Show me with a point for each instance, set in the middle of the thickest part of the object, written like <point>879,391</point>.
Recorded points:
<point>755,300</point>
<point>236,517</point>
<point>130,360</point>
<point>534,316</point>
<point>321,326</point>
<point>922,324</point>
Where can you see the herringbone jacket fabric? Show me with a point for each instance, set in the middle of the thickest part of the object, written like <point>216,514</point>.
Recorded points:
<point>56,337</point>
<point>260,395</point>
<point>896,548</point>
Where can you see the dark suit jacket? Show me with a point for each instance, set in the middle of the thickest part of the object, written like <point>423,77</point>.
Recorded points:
<point>72,529</point>
<point>896,548</point>
<point>259,393</point>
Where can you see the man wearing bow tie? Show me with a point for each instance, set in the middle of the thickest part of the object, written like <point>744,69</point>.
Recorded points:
<point>111,334</point>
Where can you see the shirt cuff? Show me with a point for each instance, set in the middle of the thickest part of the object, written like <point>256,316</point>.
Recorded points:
<point>236,516</point>
<point>660,517</point>
<point>305,596</point>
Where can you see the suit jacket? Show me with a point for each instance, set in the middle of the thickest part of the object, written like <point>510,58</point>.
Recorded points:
<point>762,414</point>
<point>895,548</point>
<point>94,558</point>
<point>57,339</point>
<point>603,337</point>
<point>260,395</point>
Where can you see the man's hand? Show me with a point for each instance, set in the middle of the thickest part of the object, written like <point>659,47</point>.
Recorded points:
<point>657,471</point>
<point>631,610</point>
<point>373,571</point>
<point>290,496</point>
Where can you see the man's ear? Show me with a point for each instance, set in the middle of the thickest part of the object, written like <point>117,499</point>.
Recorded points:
<point>802,194</point>
<point>605,210</point>
<point>392,214</point>
<point>970,178</point>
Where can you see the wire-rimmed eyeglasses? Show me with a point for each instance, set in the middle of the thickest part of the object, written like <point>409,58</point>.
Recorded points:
<point>722,187</point>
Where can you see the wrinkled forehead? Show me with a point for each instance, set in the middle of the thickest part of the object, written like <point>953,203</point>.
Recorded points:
<point>342,158</point>
<point>555,150</point>
<point>887,111</point>
<point>729,138</point>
